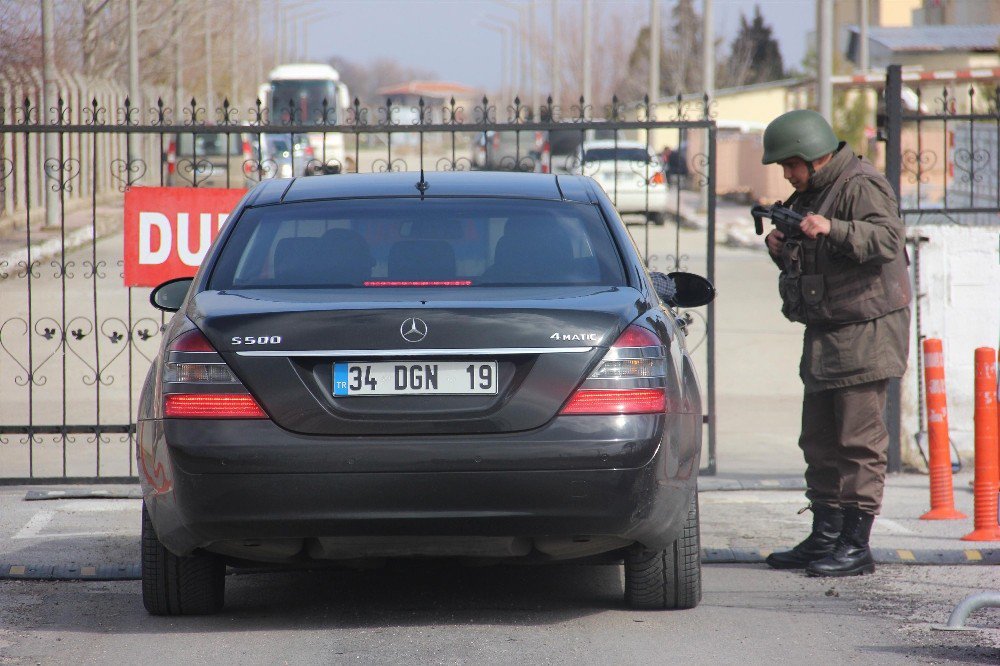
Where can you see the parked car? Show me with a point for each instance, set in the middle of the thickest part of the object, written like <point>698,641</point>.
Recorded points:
<point>630,173</point>
<point>484,372</point>
<point>282,156</point>
<point>214,159</point>
<point>507,151</point>
<point>560,148</point>
<point>218,159</point>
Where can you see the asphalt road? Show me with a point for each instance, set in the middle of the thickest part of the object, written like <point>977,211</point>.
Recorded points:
<point>433,613</point>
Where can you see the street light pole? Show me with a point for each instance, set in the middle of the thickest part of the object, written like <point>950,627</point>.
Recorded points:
<point>209,89</point>
<point>556,73</point>
<point>824,79</point>
<point>536,102</point>
<point>587,39</point>
<point>654,52</point>
<point>49,100</point>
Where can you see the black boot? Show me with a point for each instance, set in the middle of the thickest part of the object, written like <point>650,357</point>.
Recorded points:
<point>851,556</point>
<point>827,524</point>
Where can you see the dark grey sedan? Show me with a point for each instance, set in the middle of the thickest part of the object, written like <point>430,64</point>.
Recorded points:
<point>473,366</point>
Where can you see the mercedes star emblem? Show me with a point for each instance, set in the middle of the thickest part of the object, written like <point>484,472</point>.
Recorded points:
<point>413,330</point>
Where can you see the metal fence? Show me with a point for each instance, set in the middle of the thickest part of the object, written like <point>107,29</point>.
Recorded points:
<point>75,343</point>
<point>943,161</point>
<point>943,151</point>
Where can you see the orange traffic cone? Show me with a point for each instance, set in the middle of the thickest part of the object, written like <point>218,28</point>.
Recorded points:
<point>942,494</point>
<point>987,483</point>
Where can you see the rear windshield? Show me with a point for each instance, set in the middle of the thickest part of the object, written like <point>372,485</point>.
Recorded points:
<point>209,145</point>
<point>409,242</point>
<point>301,102</point>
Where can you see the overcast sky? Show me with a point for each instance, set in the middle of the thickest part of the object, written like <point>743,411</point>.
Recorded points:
<point>446,36</point>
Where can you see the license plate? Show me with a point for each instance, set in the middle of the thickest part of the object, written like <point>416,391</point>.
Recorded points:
<point>412,378</point>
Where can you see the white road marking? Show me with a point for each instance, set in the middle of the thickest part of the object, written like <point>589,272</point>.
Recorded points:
<point>33,527</point>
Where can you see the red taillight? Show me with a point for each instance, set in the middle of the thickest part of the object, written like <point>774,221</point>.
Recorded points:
<point>617,401</point>
<point>308,151</point>
<point>191,341</point>
<point>637,336</point>
<point>247,150</point>
<point>630,379</point>
<point>657,178</point>
<point>211,406</point>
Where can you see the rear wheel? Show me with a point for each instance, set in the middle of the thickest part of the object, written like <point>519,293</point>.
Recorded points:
<point>656,218</point>
<point>174,585</point>
<point>669,578</point>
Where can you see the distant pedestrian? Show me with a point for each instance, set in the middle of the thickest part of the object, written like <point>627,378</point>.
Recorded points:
<point>846,280</point>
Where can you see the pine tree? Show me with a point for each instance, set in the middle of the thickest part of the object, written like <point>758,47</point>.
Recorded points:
<point>754,54</point>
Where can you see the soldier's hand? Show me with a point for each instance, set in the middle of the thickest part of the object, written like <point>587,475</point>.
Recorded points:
<point>814,225</point>
<point>775,240</point>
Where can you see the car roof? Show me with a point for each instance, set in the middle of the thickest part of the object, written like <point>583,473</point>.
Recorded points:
<point>439,184</point>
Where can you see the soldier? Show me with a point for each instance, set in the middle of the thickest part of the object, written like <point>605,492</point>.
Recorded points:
<point>847,281</point>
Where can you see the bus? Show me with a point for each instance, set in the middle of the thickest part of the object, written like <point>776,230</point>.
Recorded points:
<point>296,93</point>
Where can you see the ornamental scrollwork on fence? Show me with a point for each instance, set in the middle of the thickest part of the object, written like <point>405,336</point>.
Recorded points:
<point>386,114</point>
<point>581,111</point>
<point>917,164</point>
<point>357,115</point>
<point>94,114</point>
<point>615,111</point>
<point>160,115</point>
<point>485,113</point>
<point>457,164</point>
<point>127,115</point>
<point>128,172</point>
<point>6,171</point>
<point>62,173</point>
<point>452,114</point>
<point>63,269</point>
<point>227,114</point>
<point>258,114</point>
<point>971,163</point>
<point>699,166</point>
<point>194,114</point>
<point>194,171</point>
<point>385,166</point>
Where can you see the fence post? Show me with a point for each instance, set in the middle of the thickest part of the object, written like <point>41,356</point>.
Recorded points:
<point>893,166</point>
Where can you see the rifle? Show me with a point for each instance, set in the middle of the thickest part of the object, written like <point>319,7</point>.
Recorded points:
<point>785,219</point>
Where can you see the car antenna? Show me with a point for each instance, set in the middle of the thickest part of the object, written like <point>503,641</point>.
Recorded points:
<point>422,184</point>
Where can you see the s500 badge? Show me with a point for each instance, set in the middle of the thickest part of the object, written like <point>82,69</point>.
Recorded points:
<point>256,339</point>
<point>589,337</point>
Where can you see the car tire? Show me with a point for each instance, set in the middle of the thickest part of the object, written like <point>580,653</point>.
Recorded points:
<point>175,585</point>
<point>656,218</point>
<point>669,578</point>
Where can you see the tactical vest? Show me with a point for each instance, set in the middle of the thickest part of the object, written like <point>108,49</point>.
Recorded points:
<point>820,286</point>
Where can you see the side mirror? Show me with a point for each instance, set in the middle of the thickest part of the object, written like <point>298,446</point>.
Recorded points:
<point>684,290</point>
<point>691,290</point>
<point>169,296</point>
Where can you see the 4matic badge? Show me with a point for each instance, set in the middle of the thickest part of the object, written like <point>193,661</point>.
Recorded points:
<point>583,337</point>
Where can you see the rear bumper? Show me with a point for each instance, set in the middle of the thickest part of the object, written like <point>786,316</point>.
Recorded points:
<point>633,201</point>
<point>204,487</point>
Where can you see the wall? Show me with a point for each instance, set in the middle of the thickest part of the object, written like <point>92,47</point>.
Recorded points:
<point>756,104</point>
<point>960,304</point>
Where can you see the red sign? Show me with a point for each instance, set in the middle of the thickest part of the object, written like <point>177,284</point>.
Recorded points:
<point>168,230</point>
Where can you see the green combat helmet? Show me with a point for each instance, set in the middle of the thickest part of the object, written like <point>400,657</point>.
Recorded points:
<point>800,133</point>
